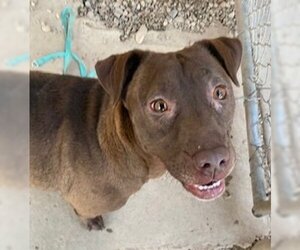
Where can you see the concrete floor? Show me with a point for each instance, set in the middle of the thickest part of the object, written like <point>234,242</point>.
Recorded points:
<point>162,215</point>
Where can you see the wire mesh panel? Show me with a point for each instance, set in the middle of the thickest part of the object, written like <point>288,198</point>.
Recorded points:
<point>254,27</point>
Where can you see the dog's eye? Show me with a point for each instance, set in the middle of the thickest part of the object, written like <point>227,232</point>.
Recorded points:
<point>220,93</point>
<point>159,106</point>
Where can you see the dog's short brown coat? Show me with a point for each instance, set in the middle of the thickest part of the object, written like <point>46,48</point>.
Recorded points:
<point>99,143</point>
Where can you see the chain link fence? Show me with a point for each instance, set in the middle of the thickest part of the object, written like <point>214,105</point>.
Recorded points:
<point>254,28</point>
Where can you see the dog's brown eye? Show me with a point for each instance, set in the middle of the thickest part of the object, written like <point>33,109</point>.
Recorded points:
<point>220,93</point>
<point>159,106</point>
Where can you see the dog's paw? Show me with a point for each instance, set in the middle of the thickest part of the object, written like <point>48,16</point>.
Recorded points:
<point>96,223</point>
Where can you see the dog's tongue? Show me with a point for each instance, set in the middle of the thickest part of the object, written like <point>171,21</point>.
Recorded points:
<point>207,192</point>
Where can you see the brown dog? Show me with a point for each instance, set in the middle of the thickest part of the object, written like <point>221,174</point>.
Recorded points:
<point>99,143</point>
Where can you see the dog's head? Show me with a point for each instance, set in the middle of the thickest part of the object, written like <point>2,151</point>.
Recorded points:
<point>180,106</point>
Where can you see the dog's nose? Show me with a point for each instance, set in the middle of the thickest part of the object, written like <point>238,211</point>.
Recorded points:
<point>216,158</point>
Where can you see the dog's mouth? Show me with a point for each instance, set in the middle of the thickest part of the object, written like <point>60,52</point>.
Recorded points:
<point>209,191</point>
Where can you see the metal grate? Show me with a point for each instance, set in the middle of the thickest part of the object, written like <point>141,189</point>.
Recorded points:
<point>254,27</point>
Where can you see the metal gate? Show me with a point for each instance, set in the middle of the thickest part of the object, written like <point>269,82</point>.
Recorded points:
<point>254,28</point>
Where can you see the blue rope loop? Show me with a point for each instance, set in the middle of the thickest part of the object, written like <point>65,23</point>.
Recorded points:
<point>67,18</point>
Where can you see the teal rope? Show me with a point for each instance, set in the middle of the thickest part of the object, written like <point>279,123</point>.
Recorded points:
<point>92,74</point>
<point>67,18</point>
<point>47,58</point>
<point>17,60</point>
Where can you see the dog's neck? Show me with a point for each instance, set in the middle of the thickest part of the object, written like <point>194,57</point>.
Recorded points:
<point>117,140</point>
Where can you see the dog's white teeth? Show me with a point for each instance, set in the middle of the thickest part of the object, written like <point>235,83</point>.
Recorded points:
<point>216,184</point>
<point>201,187</point>
<point>205,187</point>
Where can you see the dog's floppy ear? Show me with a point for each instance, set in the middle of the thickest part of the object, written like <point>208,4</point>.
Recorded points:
<point>228,51</point>
<point>116,72</point>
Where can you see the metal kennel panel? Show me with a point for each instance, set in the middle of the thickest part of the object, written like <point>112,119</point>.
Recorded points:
<point>254,28</point>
